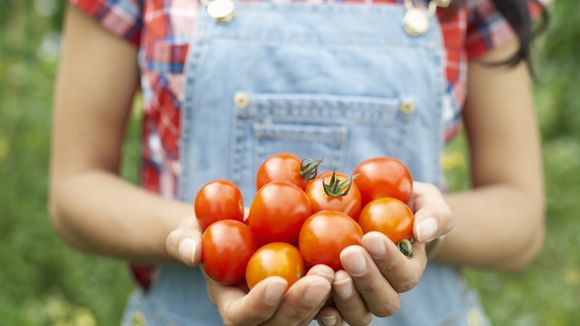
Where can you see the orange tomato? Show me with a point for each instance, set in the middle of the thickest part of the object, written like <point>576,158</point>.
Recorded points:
<point>277,212</point>
<point>346,201</point>
<point>389,216</point>
<point>275,259</point>
<point>286,167</point>
<point>325,234</point>
<point>227,246</point>
<point>218,200</point>
<point>383,177</point>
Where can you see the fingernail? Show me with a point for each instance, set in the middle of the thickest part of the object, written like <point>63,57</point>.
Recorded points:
<point>353,262</point>
<point>315,294</point>
<point>187,248</point>
<point>329,320</point>
<point>274,292</point>
<point>322,271</point>
<point>427,229</point>
<point>375,245</point>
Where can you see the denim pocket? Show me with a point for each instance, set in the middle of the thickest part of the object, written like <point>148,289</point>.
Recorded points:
<point>318,126</point>
<point>323,141</point>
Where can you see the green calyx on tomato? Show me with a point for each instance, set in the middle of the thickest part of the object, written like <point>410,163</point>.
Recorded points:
<point>406,247</point>
<point>336,188</point>
<point>309,168</point>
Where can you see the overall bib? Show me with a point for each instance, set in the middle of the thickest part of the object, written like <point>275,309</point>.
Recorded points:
<point>334,81</point>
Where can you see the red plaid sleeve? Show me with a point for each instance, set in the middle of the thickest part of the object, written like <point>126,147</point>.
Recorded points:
<point>122,17</point>
<point>487,28</point>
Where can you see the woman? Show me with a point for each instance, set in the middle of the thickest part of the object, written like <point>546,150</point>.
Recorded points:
<point>354,81</point>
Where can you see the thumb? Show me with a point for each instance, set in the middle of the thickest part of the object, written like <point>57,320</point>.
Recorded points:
<point>184,243</point>
<point>433,216</point>
<point>253,308</point>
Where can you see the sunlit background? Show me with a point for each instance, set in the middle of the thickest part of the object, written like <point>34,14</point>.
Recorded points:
<point>43,282</point>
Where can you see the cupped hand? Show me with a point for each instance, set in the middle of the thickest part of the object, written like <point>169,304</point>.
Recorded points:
<point>271,302</point>
<point>377,272</point>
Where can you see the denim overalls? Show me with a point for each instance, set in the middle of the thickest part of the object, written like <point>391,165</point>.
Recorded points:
<point>335,81</point>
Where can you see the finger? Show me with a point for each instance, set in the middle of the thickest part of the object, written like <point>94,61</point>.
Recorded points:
<point>433,217</point>
<point>329,316</point>
<point>326,272</point>
<point>381,299</point>
<point>302,301</point>
<point>184,243</point>
<point>246,213</point>
<point>350,304</point>
<point>402,273</point>
<point>322,270</point>
<point>238,308</point>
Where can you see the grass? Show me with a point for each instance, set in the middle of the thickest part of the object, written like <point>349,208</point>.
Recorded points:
<point>43,282</point>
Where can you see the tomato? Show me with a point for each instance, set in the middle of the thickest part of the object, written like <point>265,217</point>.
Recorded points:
<point>325,234</point>
<point>286,167</point>
<point>227,246</point>
<point>277,212</point>
<point>383,177</point>
<point>343,199</point>
<point>275,259</point>
<point>218,200</point>
<point>389,216</point>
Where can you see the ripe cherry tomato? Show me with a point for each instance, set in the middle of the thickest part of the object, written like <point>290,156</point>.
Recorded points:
<point>275,259</point>
<point>227,246</point>
<point>277,212</point>
<point>341,198</point>
<point>286,167</point>
<point>325,234</point>
<point>389,216</point>
<point>218,200</point>
<point>383,177</point>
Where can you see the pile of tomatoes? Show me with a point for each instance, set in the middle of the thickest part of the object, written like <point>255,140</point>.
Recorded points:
<point>300,219</point>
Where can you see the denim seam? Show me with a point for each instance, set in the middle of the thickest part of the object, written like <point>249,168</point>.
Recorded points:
<point>375,44</point>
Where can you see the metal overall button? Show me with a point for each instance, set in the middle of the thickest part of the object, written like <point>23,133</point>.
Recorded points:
<point>241,100</point>
<point>416,20</point>
<point>221,10</point>
<point>407,106</point>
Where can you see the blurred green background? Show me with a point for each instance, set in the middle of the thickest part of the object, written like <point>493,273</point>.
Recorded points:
<point>44,282</point>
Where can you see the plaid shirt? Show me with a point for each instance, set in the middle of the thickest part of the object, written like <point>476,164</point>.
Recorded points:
<point>162,30</point>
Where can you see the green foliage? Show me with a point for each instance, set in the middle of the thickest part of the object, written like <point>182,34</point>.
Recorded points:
<point>44,282</point>
<point>557,95</point>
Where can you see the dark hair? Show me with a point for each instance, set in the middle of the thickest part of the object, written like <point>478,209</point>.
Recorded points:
<point>517,13</point>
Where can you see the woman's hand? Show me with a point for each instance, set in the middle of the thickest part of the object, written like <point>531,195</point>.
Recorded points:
<point>375,274</point>
<point>271,302</point>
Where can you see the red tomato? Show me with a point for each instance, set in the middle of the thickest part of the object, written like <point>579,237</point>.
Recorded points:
<point>227,246</point>
<point>383,177</point>
<point>218,200</point>
<point>389,216</point>
<point>277,212</point>
<point>344,200</point>
<point>325,234</point>
<point>286,167</point>
<point>275,259</point>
